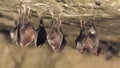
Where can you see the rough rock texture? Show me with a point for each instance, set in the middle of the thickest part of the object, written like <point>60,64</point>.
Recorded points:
<point>105,14</point>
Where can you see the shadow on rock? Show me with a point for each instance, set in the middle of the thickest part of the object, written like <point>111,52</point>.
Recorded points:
<point>110,48</point>
<point>4,29</point>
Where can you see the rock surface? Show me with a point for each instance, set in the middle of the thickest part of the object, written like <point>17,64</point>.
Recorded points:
<point>105,14</point>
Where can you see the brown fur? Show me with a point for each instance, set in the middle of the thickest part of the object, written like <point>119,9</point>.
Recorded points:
<point>23,32</point>
<point>55,37</point>
<point>89,42</point>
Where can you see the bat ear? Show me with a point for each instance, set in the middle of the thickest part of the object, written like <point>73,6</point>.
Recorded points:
<point>29,12</point>
<point>54,21</point>
<point>40,18</point>
<point>52,15</point>
<point>16,20</point>
<point>40,14</point>
<point>59,21</point>
<point>59,24</point>
<point>53,18</point>
<point>82,23</point>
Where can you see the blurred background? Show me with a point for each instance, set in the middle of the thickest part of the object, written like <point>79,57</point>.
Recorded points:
<point>105,14</point>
